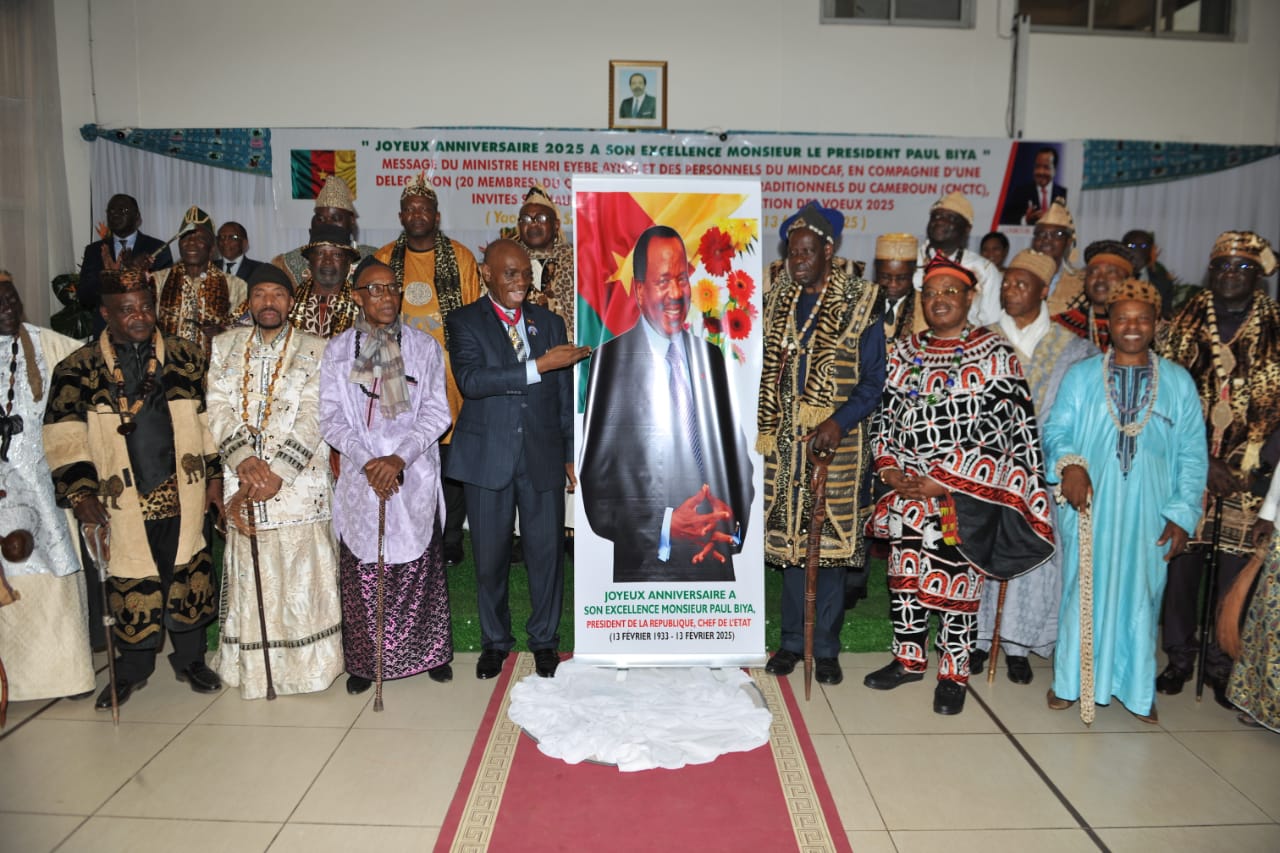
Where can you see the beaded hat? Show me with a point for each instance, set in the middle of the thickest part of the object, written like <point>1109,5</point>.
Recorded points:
<point>1245,244</point>
<point>1038,264</point>
<point>336,193</point>
<point>942,265</point>
<point>195,219</point>
<point>957,203</point>
<point>125,280</point>
<point>420,187</point>
<point>270,274</point>
<point>826,222</point>
<point>1111,252</point>
<point>1135,290</point>
<point>897,247</point>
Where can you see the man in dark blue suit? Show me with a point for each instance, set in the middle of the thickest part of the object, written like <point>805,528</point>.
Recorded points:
<point>639,105</point>
<point>665,469</point>
<point>125,246</point>
<point>513,446</point>
<point>233,243</point>
<point>1026,203</point>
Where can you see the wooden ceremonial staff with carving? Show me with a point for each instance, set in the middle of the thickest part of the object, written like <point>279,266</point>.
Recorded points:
<point>995,634</point>
<point>382,570</point>
<point>257,585</point>
<point>818,492</point>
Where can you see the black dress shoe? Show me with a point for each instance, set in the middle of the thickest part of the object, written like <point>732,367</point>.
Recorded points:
<point>441,674</point>
<point>1171,680</point>
<point>977,661</point>
<point>200,678</point>
<point>490,663</point>
<point>357,685</point>
<point>948,698</point>
<point>1219,686</point>
<point>827,670</point>
<point>891,676</point>
<point>124,689</point>
<point>452,555</point>
<point>1019,669</point>
<point>545,662</point>
<point>782,663</point>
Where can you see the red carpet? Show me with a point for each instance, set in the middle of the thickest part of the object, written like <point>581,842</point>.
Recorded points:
<point>514,798</point>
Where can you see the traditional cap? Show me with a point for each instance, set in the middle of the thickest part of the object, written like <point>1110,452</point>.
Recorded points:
<point>193,219</point>
<point>1058,215</point>
<point>1135,290</point>
<point>826,222</point>
<point>270,274</point>
<point>537,195</point>
<point>1038,264</point>
<point>957,203</point>
<point>1111,252</point>
<point>1245,244</point>
<point>335,193</point>
<point>330,235</point>
<point>897,247</point>
<point>125,280</point>
<point>421,187</point>
<point>942,265</point>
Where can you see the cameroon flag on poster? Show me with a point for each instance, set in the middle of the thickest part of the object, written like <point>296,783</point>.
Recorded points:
<point>668,553</point>
<point>309,168</point>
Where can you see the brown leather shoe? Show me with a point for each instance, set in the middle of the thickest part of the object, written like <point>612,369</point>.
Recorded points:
<point>1153,718</point>
<point>1056,704</point>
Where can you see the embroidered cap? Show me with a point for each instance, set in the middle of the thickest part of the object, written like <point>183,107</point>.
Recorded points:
<point>195,219</point>
<point>336,193</point>
<point>421,188</point>
<point>1038,264</point>
<point>958,203</point>
<point>1245,244</point>
<point>897,247</point>
<point>1135,290</point>
<point>125,280</point>
<point>826,222</point>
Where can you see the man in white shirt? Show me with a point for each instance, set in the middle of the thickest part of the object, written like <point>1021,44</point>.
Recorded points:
<point>950,221</point>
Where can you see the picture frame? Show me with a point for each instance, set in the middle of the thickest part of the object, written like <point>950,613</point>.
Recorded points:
<point>642,107</point>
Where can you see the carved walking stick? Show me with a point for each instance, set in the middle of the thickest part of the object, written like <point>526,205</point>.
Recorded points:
<point>382,571</point>
<point>995,634</point>
<point>818,492</point>
<point>97,540</point>
<point>240,510</point>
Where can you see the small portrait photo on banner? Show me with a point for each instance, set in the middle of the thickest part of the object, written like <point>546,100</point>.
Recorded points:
<point>1033,181</point>
<point>637,94</point>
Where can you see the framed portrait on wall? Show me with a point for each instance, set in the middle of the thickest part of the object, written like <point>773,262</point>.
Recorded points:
<point>637,94</point>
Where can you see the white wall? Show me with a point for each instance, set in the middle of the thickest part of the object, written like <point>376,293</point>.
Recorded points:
<point>734,64</point>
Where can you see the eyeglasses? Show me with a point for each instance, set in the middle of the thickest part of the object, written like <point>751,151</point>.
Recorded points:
<point>377,289</point>
<point>1223,265</point>
<point>946,291</point>
<point>1139,246</point>
<point>541,219</point>
<point>1056,233</point>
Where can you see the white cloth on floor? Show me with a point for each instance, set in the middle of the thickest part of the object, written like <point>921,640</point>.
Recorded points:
<point>648,718</point>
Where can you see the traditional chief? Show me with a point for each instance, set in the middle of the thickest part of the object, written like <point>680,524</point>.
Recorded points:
<point>665,471</point>
<point>127,438</point>
<point>197,298</point>
<point>264,413</point>
<point>335,207</point>
<point>823,375</point>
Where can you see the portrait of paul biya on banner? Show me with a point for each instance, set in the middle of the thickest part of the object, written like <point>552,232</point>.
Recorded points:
<point>668,301</point>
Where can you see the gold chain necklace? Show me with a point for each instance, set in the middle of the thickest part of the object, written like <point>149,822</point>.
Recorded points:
<point>271,384</point>
<point>1135,429</point>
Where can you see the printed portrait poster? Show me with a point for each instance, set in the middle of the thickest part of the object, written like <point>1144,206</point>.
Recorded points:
<point>668,554</point>
<point>1037,174</point>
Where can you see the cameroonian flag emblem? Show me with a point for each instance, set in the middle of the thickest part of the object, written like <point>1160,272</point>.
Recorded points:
<point>310,167</point>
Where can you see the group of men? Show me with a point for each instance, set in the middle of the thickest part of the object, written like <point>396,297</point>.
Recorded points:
<point>953,406</point>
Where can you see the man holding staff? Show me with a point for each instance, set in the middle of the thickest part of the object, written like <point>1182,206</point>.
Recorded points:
<point>264,413</point>
<point>383,407</point>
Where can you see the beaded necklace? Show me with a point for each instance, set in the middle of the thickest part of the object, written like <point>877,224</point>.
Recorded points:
<point>1132,430</point>
<point>271,385</point>
<point>916,373</point>
<point>10,424</point>
<point>124,409</point>
<point>811,319</point>
<point>1224,364</point>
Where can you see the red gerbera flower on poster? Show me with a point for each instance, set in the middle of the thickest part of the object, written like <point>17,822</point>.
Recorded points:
<point>716,250</point>
<point>741,287</point>
<point>739,323</point>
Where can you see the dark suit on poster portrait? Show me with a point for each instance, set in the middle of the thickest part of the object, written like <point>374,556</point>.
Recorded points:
<point>637,465</point>
<point>648,108</point>
<point>510,446</point>
<point>1026,197</point>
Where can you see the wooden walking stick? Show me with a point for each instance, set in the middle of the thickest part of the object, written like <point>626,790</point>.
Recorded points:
<point>97,540</point>
<point>818,492</point>
<point>995,634</point>
<point>382,571</point>
<point>1208,606</point>
<point>244,518</point>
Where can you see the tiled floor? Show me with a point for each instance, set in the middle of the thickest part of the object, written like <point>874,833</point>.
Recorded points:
<point>324,773</point>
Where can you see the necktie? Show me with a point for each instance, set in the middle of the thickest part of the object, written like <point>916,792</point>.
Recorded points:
<point>682,401</point>
<point>516,343</point>
<point>121,248</point>
<point>1044,198</point>
<point>230,264</point>
<point>888,312</point>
